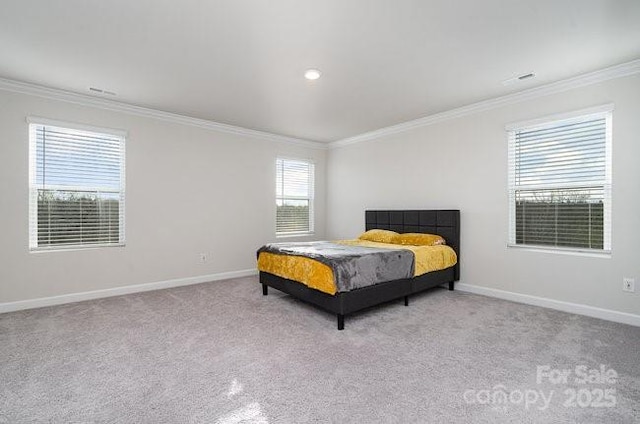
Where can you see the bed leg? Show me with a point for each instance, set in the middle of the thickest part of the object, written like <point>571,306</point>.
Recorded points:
<point>265,289</point>
<point>406,301</point>
<point>340,322</point>
<point>451,285</point>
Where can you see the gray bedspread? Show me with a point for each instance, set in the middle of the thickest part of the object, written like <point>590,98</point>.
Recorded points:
<point>353,266</point>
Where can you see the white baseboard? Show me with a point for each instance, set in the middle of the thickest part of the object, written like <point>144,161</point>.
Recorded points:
<point>118,291</point>
<point>574,308</point>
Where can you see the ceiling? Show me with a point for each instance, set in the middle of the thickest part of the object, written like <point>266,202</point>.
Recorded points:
<point>241,62</point>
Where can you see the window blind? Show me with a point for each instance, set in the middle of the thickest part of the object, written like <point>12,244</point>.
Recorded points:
<point>76,187</point>
<point>560,183</point>
<point>294,196</point>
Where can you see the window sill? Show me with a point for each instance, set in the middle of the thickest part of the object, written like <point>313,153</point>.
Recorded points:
<point>294,235</point>
<point>73,248</point>
<point>605,254</point>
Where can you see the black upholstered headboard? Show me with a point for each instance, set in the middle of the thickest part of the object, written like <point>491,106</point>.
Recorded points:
<point>443,222</point>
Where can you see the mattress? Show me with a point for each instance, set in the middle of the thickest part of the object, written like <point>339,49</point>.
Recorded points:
<point>316,271</point>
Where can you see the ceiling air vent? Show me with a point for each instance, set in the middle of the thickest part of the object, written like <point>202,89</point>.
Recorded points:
<point>519,78</point>
<point>101,91</point>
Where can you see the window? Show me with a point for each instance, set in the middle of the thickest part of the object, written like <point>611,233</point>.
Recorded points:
<point>560,182</point>
<point>294,197</point>
<point>76,185</point>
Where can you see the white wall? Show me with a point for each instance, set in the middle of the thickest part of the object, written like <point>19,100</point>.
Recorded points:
<point>459,163</point>
<point>462,164</point>
<point>189,190</point>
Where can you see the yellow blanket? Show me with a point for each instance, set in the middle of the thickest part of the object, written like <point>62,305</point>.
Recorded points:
<point>319,276</point>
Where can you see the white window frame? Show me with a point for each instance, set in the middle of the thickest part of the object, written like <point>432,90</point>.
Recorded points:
<point>33,122</point>
<point>598,112</point>
<point>310,198</point>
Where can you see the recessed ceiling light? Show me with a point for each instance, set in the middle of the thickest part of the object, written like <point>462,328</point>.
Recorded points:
<point>312,74</point>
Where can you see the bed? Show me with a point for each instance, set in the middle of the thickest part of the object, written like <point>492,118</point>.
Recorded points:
<point>445,223</point>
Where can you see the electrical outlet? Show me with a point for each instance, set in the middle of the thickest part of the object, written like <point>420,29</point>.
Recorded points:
<point>629,284</point>
<point>203,258</point>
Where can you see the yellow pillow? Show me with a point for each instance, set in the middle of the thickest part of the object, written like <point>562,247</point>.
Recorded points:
<point>418,239</point>
<point>381,236</point>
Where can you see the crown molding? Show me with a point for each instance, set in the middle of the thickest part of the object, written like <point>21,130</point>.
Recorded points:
<point>112,105</point>
<point>613,72</point>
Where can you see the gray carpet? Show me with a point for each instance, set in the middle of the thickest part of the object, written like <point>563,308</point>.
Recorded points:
<point>222,353</point>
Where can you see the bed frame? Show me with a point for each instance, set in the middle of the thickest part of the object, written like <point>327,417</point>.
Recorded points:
<point>443,222</point>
